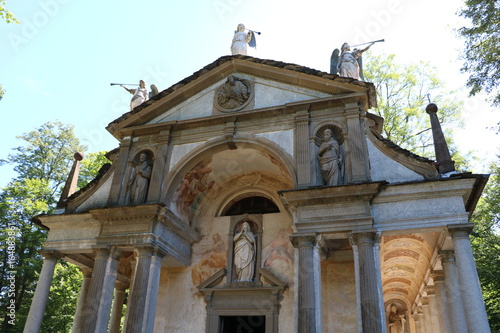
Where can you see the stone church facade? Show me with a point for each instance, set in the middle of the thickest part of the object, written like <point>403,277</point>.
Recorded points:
<point>228,208</point>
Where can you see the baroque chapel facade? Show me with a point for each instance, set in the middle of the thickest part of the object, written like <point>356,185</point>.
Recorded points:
<point>260,196</point>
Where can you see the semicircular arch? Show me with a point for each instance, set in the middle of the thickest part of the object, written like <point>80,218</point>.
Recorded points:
<point>213,164</point>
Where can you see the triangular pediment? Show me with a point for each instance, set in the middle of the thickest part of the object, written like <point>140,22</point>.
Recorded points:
<point>274,85</point>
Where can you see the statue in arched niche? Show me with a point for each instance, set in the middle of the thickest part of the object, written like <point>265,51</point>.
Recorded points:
<point>139,179</point>
<point>331,160</point>
<point>396,320</point>
<point>244,253</point>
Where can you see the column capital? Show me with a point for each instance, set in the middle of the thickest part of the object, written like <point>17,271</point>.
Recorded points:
<point>86,272</point>
<point>430,290</point>
<point>371,237</point>
<point>101,252</point>
<point>446,255</point>
<point>462,230</point>
<point>303,240</point>
<point>151,251</point>
<point>437,276</point>
<point>121,286</point>
<point>51,254</point>
<point>302,117</point>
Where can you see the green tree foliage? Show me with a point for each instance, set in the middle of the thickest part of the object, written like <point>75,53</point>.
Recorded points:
<point>403,92</point>
<point>485,242</point>
<point>6,15</point>
<point>47,154</point>
<point>482,46</point>
<point>90,167</point>
<point>2,91</point>
<point>61,306</point>
<point>43,164</point>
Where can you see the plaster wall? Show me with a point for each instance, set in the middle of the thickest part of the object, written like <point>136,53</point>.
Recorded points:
<point>385,168</point>
<point>267,93</point>
<point>99,198</point>
<point>179,151</point>
<point>340,312</point>
<point>284,139</point>
<point>179,296</point>
<point>272,93</point>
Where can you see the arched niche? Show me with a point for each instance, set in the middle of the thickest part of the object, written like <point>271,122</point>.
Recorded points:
<point>237,235</point>
<point>138,179</point>
<point>319,139</point>
<point>396,314</point>
<point>210,172</point>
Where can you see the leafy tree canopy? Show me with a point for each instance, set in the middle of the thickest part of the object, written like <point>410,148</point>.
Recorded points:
<point>482,47</point>
<point>47,154</point>
<point>403,92</point>
<point>6,15</point>
<point>90,166</point>
<point>485,242</point>
<point>42,163</point>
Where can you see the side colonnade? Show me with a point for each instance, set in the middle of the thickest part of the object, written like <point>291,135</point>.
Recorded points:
<point>452,304</point>
<point>102,296</point>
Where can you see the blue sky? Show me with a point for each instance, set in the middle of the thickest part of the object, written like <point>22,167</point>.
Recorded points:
<point>59,62</point>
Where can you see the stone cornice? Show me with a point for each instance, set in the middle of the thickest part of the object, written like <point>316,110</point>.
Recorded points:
<point>221,120</point>
<point>325,195</point>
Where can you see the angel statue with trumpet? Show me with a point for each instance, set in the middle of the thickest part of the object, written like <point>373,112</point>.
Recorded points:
<point>241,39</point>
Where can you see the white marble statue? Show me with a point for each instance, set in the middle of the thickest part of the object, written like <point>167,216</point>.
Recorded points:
<point>396,321</point>
<point>244,253</point>
<point>240,40</point>
<point>348,65</point>
<point>330,159</point>
<point>140,94</point>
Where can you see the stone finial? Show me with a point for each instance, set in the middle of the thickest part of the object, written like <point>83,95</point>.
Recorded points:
<point>71,182</point>
<point>443,158</point>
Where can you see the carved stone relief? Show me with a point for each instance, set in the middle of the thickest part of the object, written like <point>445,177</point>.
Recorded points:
<point>233,95</point>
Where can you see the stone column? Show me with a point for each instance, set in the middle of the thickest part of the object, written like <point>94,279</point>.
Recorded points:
<point>153,285</point>
<point>453,295</point>
<point>370,287</point>
<point>443,318</point>
<point>433,309</point>
<point>427,315</point>
<point>133,266</point>
<point>305,288</point>
<point>100,295</point>
<point>417,322</point>
<point>87,274</point>
<point>37,309</point>
<point>116,313</point>
<point>136,319</point>
<point>475,311</point>
<point>421,321</point>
